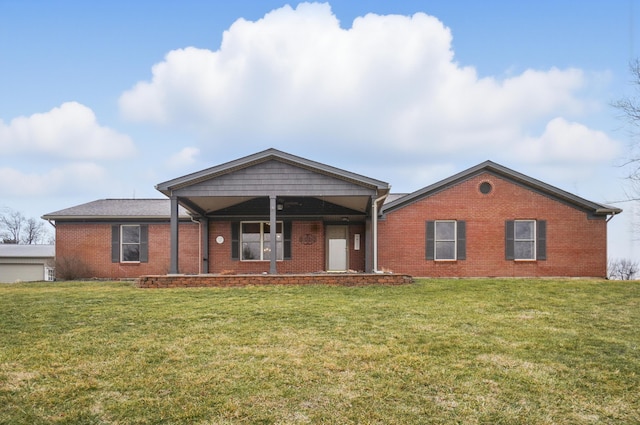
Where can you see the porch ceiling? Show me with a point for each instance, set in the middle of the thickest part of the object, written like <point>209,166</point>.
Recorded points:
<point>300,205</point>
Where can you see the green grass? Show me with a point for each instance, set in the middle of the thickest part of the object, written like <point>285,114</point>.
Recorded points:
<point>438,351</point>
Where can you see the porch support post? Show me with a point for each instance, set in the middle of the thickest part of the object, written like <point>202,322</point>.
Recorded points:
<point>173,267</point>
<point>370,231</point>
<point>368,247</point>
<point>272,235</point>
<point>204,244</point>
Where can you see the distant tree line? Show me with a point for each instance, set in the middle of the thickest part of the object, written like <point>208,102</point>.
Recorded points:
<point>16,228</point>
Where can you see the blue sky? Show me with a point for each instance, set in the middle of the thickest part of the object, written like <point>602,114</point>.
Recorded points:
<point>107,99</point>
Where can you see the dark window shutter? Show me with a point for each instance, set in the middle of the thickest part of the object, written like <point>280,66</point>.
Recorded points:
<point>509,245</point>
<point>541,240</point>
<point>430,240</point>
<point>235,241</point>
<point>115,243</point>
<point>144,243</point>
<point>461,250</point>
<point>287,240</point>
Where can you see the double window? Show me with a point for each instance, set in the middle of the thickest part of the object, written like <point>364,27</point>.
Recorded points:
<point>129,243</point>
<point>250,240</point>
<point>256,241</point>
<point>446,240</point>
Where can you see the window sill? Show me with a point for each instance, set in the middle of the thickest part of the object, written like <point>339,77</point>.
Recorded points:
<point>525,260</point>
<point>259,261</point>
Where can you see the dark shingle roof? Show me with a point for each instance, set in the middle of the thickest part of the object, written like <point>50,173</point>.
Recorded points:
<point>117,208</point>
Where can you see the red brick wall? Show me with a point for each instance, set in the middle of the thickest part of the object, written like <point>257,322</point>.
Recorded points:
<point>90,243</point>
<point>356,257</point>
<point>344,279</point>
<point>307,247</point>
<point>576,245</point>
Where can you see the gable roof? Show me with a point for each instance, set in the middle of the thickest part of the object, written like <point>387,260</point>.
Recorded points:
<point>272,172</point>
<point>27,251</point>
<point>508,174</point>
<point>264,156</point>
<point>117,209</point>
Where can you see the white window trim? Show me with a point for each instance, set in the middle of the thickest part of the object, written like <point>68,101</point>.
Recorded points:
<point>436,240</point>
<point>262,241</point>
<point>534,240</point>
<point>123,243</point>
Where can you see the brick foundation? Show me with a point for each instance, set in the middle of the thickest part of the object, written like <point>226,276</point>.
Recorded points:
<point>348,279</point>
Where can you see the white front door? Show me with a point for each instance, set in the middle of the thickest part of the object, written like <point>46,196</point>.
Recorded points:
<point>338,252</point>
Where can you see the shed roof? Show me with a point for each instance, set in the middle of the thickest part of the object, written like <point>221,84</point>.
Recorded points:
<point>27,251</point>
<point>506,173</point>
<point>117,209</point>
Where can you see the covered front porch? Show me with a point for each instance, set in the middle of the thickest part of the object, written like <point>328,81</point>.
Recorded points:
<point>276,213</point>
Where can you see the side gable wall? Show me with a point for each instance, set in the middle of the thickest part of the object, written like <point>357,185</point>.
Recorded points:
<point>576,245</point>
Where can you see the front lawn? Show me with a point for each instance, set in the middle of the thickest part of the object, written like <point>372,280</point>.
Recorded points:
<point>437,351</point>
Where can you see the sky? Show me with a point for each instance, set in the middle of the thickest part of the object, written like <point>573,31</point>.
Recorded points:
<point>107,99</point>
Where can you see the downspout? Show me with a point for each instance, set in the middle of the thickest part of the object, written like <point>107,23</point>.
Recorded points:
<point>375,230</point>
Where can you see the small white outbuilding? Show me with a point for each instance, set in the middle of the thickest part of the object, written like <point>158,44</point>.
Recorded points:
<point>26,263</point>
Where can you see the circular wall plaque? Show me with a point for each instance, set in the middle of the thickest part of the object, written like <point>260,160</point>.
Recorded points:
<point>219,239</point>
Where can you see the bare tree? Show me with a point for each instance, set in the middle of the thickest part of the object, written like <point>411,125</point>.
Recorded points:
<point>11,223</point>
<point>33,232</point>
<point>17,229</point>
<point>629,107</point>
<point>622,269</point>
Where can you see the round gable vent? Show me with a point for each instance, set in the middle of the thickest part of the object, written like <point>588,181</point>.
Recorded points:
<point>485,188</point>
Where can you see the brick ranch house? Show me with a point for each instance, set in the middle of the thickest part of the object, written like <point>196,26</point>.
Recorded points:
<point>273,212</point>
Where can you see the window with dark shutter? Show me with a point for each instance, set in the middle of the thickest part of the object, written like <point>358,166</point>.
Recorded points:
<point>430,240</point>
<point>235,241</point>
<point>446,240</point>
<point>115,243</point>
<point>287,240</point>
<point>541,240</point>
<point>525,240</point>
<point>461,242</point>
<point>144,243</point>
<point>508,240</point>
<point>130,243</point>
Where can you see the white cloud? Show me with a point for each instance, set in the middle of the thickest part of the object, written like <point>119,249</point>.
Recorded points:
<point>185,157</point>
<point>70,178</point>
<point>387,83</point>
<point>568,142</point>
<point>70,131</point>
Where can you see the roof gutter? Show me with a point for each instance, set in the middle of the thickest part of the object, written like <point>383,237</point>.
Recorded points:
<point>609,211</point>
